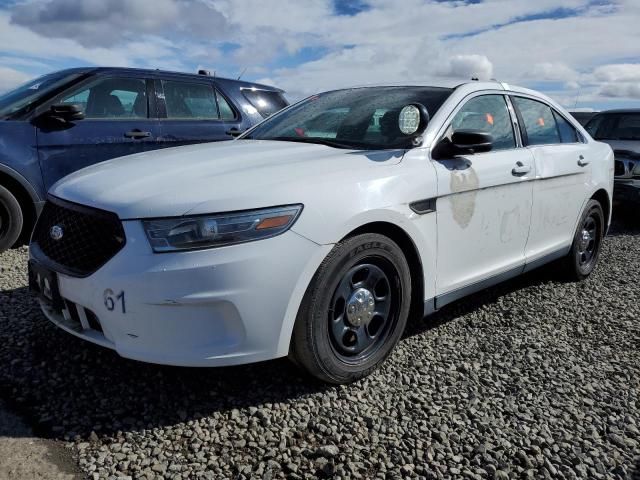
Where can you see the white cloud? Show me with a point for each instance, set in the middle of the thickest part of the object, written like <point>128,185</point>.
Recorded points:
<point>553,71</point>
<point>467,67</point>
<point>626,72</point>
<point>10,78</point>
<point>517,41</point>
<point>620,90</point>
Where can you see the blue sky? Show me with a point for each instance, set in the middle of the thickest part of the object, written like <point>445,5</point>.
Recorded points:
<point>582,50</point>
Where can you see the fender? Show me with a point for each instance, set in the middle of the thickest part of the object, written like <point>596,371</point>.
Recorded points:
<point>35,198</point>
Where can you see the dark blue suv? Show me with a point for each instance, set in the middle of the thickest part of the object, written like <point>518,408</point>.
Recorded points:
<point>70,119</point>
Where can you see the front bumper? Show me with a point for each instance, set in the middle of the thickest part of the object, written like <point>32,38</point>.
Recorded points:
<point>222,306</point>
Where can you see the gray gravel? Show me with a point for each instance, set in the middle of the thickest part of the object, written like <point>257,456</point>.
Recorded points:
<point>533,379</point>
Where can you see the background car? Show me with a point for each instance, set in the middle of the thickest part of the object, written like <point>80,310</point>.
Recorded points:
<point>73,118</point>
<point>583,116</point>
<point>317,233</point>
<point>621,130</point>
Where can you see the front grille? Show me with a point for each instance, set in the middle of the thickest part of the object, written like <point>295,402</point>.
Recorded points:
<point>88,237</point>
<point>619,168</point>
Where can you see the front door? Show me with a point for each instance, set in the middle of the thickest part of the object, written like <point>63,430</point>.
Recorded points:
<point>484,203</point>
<point>117,123</point>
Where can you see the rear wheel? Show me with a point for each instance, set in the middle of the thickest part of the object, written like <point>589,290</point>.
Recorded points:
<point>354,310</point>
<point>11,219</point>
<point>587,241</point>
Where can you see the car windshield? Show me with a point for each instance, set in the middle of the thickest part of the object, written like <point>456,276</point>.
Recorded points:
<point>24,95</point>
<point>615,126</point>
<point>357,118</point>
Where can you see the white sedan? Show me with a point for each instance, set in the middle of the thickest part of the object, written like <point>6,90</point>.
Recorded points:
<point>319,232</point>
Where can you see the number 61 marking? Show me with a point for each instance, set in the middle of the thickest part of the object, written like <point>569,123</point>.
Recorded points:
<point>111,300</point>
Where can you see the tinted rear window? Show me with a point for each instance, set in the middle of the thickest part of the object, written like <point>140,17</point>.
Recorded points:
<point>615,126</point>
<point>266,102</point>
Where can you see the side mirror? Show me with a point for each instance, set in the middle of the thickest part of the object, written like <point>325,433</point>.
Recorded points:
<point>66,112</point>
<point>471,141</point>
<point>463,142</point>
<point>413,120</point>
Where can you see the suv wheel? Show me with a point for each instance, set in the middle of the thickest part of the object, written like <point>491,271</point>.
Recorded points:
<point>11,219</point>
<point>354,310</point>
<point>587,241</point>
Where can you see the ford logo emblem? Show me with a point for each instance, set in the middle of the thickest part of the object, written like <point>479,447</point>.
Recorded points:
<point>56,232</point>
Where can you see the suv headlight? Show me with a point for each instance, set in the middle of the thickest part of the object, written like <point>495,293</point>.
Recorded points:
<point>208,231</point>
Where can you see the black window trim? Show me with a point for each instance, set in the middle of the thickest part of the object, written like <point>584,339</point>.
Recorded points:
<point>481,93</point>
<point>237,116</point>
<point>90,78</point>
<point>162,105</point>
<point>523,131</point>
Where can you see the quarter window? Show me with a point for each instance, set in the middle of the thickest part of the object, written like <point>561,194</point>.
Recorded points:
<point>487,113</point>
<point>111,98</point>
<point>187,101</point>
<point>539,122</point>
<point>226,112</point>
<point>568,134</point>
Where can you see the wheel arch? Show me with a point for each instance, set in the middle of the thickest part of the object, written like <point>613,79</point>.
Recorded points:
<point>410,250</point>
<point>602,196</point>
<point>25,194</point>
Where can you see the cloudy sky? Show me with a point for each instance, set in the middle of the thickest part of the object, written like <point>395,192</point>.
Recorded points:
<point>574,50</point>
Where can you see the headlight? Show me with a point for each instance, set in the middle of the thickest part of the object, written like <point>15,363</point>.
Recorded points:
<point>207,231</point>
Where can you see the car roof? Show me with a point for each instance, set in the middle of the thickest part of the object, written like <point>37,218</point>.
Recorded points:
<point>240,83</point>
<point>451,84</point>
<point>620,110</point>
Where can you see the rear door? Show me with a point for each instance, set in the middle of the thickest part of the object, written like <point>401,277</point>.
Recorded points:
<point>118,121</point>
<point>194,111</point>
<point>563,173</point>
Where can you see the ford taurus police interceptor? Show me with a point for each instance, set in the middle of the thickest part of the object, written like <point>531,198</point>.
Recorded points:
<point>320,231</point>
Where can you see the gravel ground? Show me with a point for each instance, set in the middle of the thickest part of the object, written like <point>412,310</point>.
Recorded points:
<point>533,379</point>
<point>23,456</point>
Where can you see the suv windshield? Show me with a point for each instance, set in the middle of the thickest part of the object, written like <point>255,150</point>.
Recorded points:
<point>615,126</point>
<point>359,118</point>
<point>29,92</point>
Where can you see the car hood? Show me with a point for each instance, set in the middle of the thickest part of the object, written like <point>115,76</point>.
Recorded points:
<point>218,177</point>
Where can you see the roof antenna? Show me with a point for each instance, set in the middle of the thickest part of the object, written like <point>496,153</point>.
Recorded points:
<point>577,97</point>
<point>242,73</point>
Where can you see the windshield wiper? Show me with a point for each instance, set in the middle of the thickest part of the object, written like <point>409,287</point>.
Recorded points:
<point>322,141</point>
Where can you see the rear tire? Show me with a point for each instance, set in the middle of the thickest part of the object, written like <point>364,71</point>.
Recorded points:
<point>587,242</point>
<point>11,219</point>
<point>354,310</point>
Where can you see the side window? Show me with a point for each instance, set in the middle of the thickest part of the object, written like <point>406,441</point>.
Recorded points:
<point>539,122</point>
<point>226,112</point>
<point>568,134</point>
<point>188,101</point>
<point>488,113</point>
<point>326,124</point>
<point>111,98</point>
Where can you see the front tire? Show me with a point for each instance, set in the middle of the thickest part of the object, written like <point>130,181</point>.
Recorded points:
<point>587,242</point>
<point>11,219</point>
<point>354,310</point>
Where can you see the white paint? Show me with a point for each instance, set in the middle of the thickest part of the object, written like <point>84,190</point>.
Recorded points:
<point>238,304</point>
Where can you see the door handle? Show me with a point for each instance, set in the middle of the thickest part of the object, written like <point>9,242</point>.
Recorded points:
<point>582,162</point>
<point>520,169</point>
<point>234,132</point>
<point>137,134</point>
